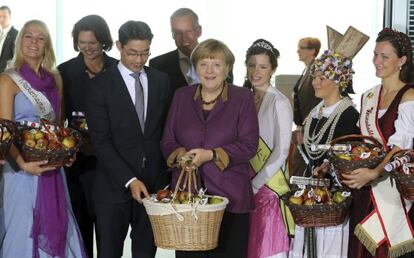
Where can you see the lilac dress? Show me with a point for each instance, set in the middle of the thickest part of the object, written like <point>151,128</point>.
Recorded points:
<point>19,208</point>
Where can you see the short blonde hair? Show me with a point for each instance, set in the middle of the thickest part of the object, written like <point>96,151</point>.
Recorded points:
<point>212,48</point>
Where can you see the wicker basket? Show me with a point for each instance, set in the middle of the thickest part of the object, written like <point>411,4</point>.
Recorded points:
<point>183,227</point>
<point>318,215</point>
<point>343,165</point>
<point>5,145</point>
<point>405,182</point>
<point>56,157</point>
<point>186,227</point>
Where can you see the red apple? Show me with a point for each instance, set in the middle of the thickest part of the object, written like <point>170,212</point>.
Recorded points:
<point>27,135</point>
<point>164,193</point>
<point>65,132</point>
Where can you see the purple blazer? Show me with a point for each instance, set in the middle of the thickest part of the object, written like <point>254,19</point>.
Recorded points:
<point>232,125</point>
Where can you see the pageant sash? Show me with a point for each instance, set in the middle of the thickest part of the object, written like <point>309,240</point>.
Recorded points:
<point>278,183</point>
<point>39,101</point>
<point>388,221</point>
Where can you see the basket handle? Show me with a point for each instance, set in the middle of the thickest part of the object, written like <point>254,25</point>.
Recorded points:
<point>190,176</point>
<point>357,136</point>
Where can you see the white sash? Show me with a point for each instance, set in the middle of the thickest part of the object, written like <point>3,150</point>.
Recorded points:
<point>38,100</point>
<point>388,221</point>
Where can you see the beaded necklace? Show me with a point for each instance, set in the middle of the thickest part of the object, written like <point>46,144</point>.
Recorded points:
<point>315,137</point>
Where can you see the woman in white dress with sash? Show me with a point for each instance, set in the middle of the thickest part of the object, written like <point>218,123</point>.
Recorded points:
<point>36,218</point>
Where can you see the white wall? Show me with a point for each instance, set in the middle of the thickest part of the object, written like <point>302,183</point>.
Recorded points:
<point>237,23</point>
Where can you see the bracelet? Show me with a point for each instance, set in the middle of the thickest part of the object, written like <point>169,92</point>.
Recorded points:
<point>214,155</point>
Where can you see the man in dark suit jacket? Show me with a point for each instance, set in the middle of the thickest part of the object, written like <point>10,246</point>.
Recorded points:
<point>7,37</point>
<point>130,163</point>
<point>185,30</point>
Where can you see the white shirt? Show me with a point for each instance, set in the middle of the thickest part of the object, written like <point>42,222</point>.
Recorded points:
<point>3,35</point>
<point>275,125</point>
<point>130,83</point>
<point>404,126</point>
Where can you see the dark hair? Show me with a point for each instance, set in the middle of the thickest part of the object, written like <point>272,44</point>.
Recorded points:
<point>402,45</point>
<point>5,8</point>
<point>134,30</point>
<point>262,46</point>
<point>186,11</point>
<point>98,26</point>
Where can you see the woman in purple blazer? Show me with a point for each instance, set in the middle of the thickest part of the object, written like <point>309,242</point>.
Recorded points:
<point>217,123</point>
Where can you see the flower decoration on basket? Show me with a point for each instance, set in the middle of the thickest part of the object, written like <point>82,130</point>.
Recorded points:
<point>47,141</point>
<point>357,151</point>
<point>318,206</point>
<point>401,168</point>
<point>79,122</point>
<point>7,132</point>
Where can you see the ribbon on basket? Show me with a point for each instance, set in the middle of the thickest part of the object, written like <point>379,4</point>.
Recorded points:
<point>388,221</point>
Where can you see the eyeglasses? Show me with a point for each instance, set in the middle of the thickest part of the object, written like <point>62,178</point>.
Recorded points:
<point>144,54</point>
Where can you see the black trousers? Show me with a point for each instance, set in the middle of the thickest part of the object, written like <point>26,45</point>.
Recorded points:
<point>234,234</point>
<point>112,224</point>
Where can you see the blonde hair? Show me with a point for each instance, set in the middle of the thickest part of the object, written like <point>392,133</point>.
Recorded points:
<point>48,60</point>
<point>212,48</point>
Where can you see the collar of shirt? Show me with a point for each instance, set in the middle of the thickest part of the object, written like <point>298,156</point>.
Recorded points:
<point>6,30</point>
<point>224,94</point>
<point>130,83</point>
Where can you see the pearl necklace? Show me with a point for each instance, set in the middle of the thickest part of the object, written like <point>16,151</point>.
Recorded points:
<point>316,137</point>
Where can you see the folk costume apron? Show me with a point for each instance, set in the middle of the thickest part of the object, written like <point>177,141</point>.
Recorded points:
<point>388,223</point>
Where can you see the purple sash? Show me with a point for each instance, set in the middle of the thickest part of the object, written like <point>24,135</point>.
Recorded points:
<point>50,216</point>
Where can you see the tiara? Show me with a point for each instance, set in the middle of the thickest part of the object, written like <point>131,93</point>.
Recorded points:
<point>264,45</point>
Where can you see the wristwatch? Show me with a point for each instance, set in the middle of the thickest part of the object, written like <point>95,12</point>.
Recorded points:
<point>214,155</point>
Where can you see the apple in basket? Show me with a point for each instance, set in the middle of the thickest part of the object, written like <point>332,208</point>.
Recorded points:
<point>69,142</point>
<point>163,194</point>
<point>297,200</point>
<point>340,196</point>
<point>27,135</point>
<point>321,195</point>
<point>183,196</point>
<point>6,136</point>
<point>41,144</point>
<point>214,200</point>
<point>38,135</point>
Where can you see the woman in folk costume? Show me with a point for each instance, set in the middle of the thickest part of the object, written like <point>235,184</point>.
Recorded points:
<point>36,218</point>
<point>333,117</point>
<point>267,235</point>
<point>381,220</point>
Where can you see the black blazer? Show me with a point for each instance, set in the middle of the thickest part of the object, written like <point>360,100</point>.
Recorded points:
<point>169,63</point>
<point>120,146</point>
<point>75,84</point>
<point>75,80</point>
<point>7,51</point>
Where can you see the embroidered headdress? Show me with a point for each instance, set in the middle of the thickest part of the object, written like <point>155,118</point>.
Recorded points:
<point>336,63</point>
